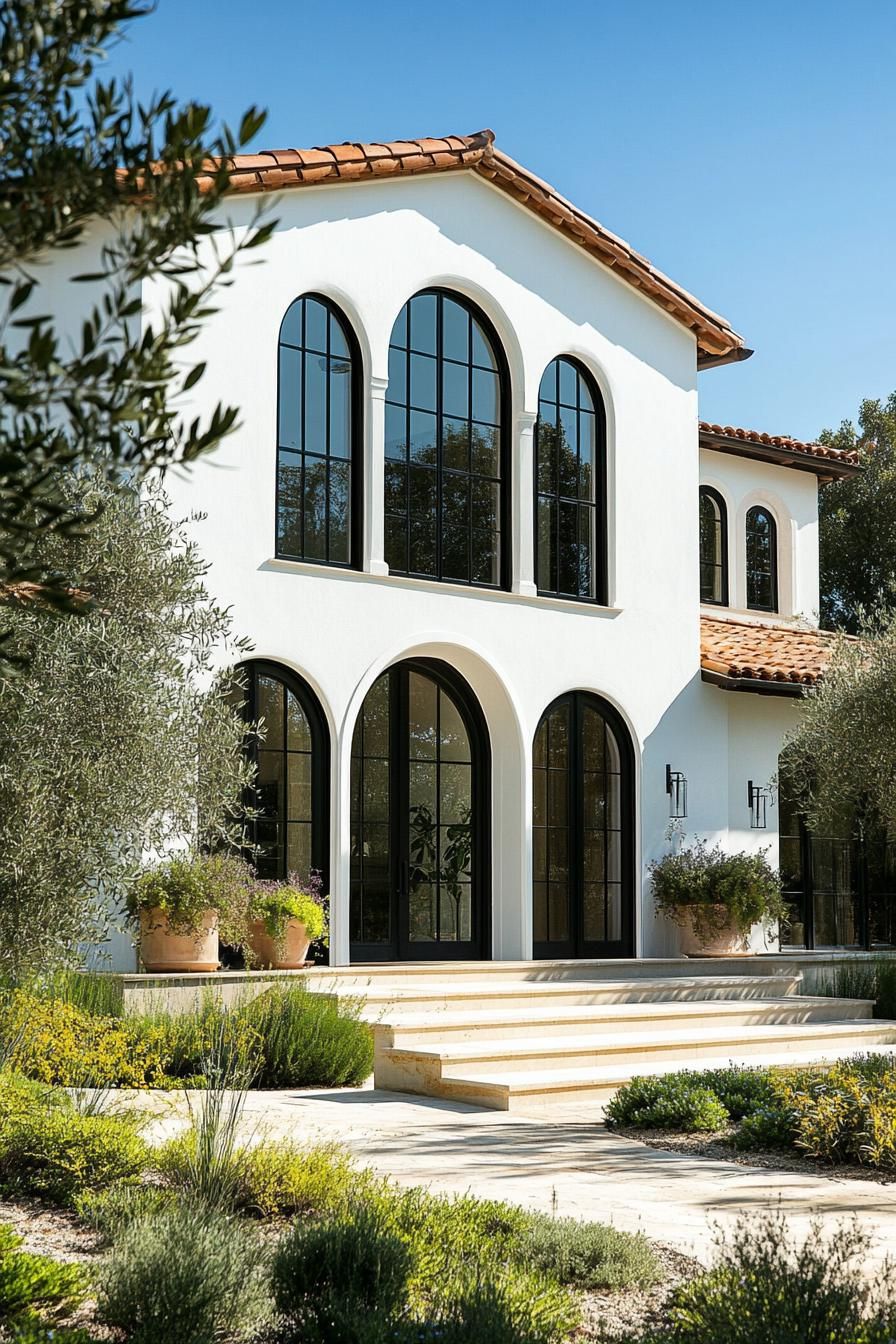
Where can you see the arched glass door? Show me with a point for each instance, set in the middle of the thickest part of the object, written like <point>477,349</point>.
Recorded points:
<point>583,831</point>
<point>419,788</point>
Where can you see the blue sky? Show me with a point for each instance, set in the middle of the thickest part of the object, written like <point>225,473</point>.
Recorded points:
<point>746,149</point>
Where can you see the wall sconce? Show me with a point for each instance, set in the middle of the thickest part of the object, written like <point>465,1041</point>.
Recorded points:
<point>677,789</point>
<point>757,798</point>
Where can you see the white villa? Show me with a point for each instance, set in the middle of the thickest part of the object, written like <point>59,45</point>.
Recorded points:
<point>513,605</point>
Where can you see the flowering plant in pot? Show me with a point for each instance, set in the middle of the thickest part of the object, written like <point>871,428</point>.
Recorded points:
<point>184,906</point>
<point>716,898</point>
<point>285,919</point>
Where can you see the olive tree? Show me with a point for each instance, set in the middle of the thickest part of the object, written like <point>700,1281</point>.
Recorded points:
<point>117,737</point>
<point>841,758</point>
<point>82,158</point>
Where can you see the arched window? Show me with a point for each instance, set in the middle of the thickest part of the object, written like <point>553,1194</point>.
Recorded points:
<point>713,547</point>
<point>570,450</point>
<point>318,467</point>
<point>583,828</point>
<point>445,508</point>
<point>292,756</point>
<point>762,560</point>
<point>419,818</point>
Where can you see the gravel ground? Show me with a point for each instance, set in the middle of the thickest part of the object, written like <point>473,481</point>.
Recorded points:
<point>720,1147</point>
<point>609,1315</point>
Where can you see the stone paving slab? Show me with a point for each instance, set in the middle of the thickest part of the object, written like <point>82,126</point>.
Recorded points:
<point>567,1160</point>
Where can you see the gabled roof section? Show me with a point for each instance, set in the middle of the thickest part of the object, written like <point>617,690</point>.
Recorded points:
<point>284,169</point>
<point>826,463</point>
<point>741,655</point>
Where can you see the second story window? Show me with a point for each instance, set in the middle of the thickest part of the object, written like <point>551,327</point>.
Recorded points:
<point>713,547</point>
<point>318,471</point>
<point>762,560</point>
<point>445,467</point>
<point>570,439</point>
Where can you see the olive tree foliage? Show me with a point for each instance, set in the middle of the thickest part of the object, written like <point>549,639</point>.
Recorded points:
<point>840,760</point>
<point>83,159</point>
<point>117,738</point>
<point>857,519</point>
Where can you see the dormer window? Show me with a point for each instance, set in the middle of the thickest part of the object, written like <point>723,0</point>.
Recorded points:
<point>762,560</point>
<point>713,547</point>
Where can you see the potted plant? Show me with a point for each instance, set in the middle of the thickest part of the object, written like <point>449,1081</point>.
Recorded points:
<point>183,906</point>
<point>285,919</point>
<point>716,898</point>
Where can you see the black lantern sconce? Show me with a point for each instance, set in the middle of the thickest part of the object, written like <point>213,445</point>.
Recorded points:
<point>757,799</point>
<point>677,789</point>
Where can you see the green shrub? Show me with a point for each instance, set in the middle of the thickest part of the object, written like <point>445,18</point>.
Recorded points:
<point>675,1101</point>
<point>35,1283</point>
<point>770,1126</point>
<point>765,1289</point>
<point>341,1279</point>
<point>279,1180</point>
<point>275,903</point>
<point>700,878</point>
<point>56,1153</point>
<point>183,888</point>
<point>588,1255</point>
<point>190,1274</point>
<point>208,1033</point>
<point>99,993</point>
<point>309,1039</point>
<point>741,1090</point>
<point>55,1042</point>
<point>39,1332</point>
<point>874,979</point>
<point>505,1308</point>
<point>109,1210</point>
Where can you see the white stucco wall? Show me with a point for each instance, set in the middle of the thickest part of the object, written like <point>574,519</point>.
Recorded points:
<point>792,498</point>
<point>370,247</point>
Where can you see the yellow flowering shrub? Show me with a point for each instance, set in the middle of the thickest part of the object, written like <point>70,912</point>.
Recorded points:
<point>55,1042</point>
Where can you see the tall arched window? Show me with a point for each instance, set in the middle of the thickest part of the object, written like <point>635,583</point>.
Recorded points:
<point>318,467</point>
<point>570,450</point>
<point>762,560</point>
<point>419,818</point>
<point>583,829</point>
<point>713,547</point>
<point>292,756</point>
<point>445,511</point>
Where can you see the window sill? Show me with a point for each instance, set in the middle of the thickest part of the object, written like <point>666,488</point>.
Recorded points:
<point>436,586</point>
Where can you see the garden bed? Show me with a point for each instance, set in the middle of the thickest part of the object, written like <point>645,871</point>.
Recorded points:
<point>837,1119</point>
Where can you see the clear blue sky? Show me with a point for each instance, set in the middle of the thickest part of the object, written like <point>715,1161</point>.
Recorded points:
<point>746,149</point>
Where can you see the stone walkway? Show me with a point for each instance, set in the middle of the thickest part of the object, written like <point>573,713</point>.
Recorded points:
<point>566,1160</point>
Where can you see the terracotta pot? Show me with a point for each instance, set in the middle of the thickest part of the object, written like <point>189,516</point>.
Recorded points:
<point>723,939</point>
<point>286,954</point>
<point>162,950</point>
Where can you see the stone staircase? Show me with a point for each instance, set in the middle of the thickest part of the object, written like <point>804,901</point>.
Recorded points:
<point>518,1035</point>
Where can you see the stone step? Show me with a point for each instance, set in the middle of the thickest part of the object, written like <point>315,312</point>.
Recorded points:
<point>361,976</point>
<point>551,1070</point>
<point>439,994</point>
<point>408,1029</point>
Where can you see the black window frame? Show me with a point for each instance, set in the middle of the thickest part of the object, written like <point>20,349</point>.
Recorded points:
<point>504,454</point>
<point>251,670</point>
<point>773,557</point>
<point>355,458</point>
<point>600,559</point>
<point>399,947</point>
<point>709,492</point>
<point>576,945</point>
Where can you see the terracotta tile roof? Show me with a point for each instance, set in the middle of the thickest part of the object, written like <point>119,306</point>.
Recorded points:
<point>734,650</point>
<point>816,457</point>
<point>279,169</point>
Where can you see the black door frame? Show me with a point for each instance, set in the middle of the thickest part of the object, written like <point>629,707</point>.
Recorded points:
<point>576,946</point>
<point>400,948</point>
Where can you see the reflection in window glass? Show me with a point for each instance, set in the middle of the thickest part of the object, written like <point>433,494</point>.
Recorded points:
<point>713,543</point>
<point>443,502</point>
<point>762,560</point>
<point>316,435</point>
<point>569,450</point>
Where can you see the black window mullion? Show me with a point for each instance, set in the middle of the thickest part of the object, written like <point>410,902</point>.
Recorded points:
<point>327,455</point>
<point>303,459</point>
<point>440,433</point>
